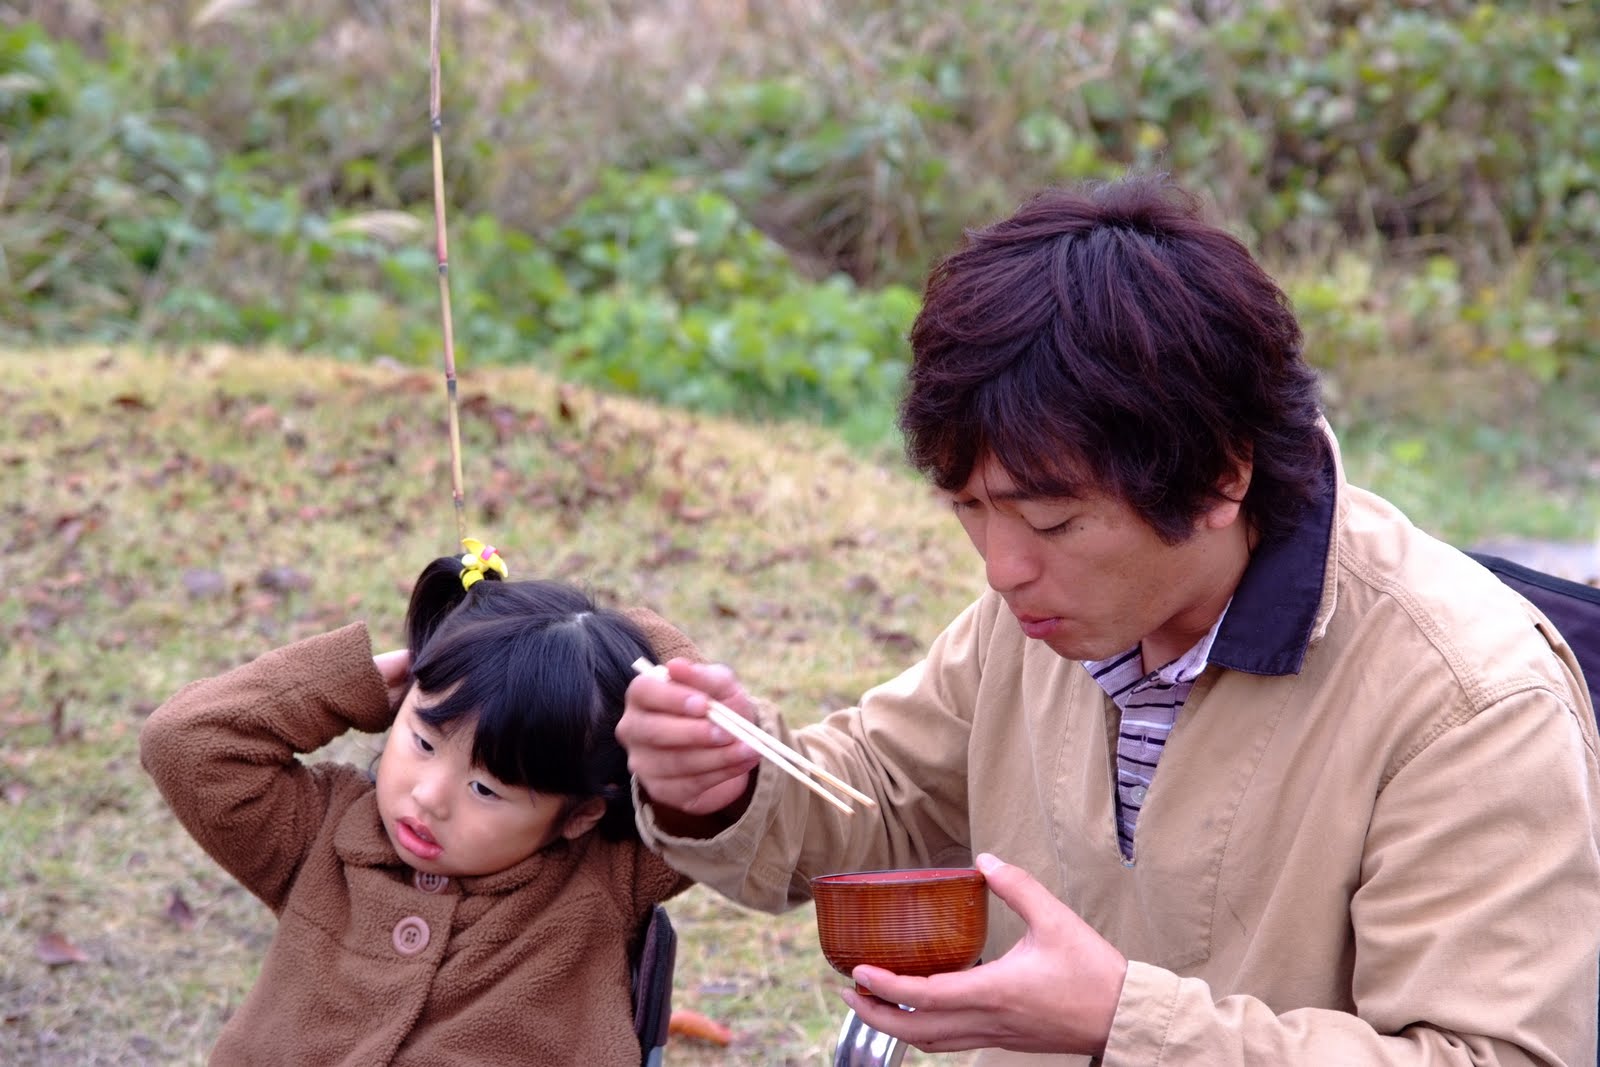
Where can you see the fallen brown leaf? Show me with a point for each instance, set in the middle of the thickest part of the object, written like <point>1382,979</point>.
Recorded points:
<point>179,912</point>
<point>260,417</point>
<point>54,949</point>
<point>862,583</point>
<point>898,640</point>
<point>283,579</point>
<point>691,1024</point>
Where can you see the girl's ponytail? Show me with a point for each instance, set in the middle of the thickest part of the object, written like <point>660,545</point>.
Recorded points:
<point>438,592</point>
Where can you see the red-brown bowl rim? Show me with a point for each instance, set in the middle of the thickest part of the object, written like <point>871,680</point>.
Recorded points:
<point>909,876</point>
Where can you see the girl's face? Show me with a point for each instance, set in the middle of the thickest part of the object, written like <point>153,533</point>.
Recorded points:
<point>447,817</point>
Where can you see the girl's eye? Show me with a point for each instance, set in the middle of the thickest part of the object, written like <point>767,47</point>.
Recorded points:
<point>422,742</point>
<point>481,790</point>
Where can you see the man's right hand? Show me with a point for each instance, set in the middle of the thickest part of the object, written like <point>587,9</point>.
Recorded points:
<point>683,760</point>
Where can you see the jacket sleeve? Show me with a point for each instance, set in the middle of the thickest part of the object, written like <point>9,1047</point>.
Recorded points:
<point>224,752</point>
<point>666,640</point>
<point>1498,970</point>
<point>905,746</point>
<point>652,881</point>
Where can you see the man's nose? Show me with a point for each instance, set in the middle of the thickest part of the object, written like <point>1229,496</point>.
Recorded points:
<point>1010,556</point>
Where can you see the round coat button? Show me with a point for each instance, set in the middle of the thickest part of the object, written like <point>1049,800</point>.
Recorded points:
<point>429,883</point>
<point>410,936</point>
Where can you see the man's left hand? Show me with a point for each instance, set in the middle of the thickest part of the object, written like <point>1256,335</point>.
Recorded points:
<point>1055,991</point>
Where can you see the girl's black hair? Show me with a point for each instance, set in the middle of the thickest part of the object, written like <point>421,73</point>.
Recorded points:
<point>540,671</point>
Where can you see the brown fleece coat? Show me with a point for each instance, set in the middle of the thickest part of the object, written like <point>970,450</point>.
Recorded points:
<point>373,964</point>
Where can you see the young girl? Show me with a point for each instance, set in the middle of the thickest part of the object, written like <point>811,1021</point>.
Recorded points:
<point>472,905</point>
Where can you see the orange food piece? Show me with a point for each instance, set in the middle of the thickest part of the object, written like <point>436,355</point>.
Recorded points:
<point>692,1024</point>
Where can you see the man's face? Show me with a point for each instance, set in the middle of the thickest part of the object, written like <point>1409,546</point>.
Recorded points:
<point>1089,578</point>
<point>446,816</point>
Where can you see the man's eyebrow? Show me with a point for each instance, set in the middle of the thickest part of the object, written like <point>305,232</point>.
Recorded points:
<point>1023,496</point>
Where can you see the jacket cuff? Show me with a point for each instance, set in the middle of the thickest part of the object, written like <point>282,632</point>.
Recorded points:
<point>728,862</point>
<point>339,671</point>
<point>1144,1016</point>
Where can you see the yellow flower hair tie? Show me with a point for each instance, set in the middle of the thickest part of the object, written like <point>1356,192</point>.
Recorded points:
<point>479,561</point>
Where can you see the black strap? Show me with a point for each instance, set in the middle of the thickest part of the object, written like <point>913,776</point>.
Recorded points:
<point>652,980</point>
<point>1574,608</point>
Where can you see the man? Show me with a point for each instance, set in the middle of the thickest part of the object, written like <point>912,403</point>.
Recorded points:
<point>1275,777</point>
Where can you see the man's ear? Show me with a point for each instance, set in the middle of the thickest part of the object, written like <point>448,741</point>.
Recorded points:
<point>1231,489</point>
<point>582,819</point>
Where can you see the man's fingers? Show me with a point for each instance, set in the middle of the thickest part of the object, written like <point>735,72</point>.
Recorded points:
<point>713,680</point>
<point>692,770</point>
<point>875,1012</point>
<point>682,759</point>
<point>693,779</point>
<point>928,1030</point>
<point>940,992</point>
<point>1017,889</point>
<point>672,732</point>
<point>664,696</point>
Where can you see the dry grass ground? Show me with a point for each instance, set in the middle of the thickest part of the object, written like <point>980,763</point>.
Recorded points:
<point>165,516</point>
<point>168,516</point>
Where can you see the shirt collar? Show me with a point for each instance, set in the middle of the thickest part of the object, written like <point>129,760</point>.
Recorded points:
<point>1118,674</point>
<point>1269,625</point>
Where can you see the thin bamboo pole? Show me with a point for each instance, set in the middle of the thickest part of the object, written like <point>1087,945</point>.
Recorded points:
<point>436,124</point>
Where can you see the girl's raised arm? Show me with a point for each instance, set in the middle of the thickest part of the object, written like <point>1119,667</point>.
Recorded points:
<point>223,752</point>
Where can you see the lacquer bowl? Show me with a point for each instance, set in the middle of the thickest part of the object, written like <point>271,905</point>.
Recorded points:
<point>919,922</point>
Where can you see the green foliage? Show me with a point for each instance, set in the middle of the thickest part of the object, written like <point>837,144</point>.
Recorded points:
<point>1457,130</point>
<point>817,348</point>
<point>676,295</point>
<point>732,211</point>
<point>1460,134</point>
<point>855,183</point>
<point>652,287</point>
<point>651,284</point>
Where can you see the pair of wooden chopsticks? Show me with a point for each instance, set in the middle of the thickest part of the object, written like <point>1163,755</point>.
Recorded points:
<point>776,752</point>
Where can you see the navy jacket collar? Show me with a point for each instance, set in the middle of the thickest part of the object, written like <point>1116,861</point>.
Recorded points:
<point>1270,620</point>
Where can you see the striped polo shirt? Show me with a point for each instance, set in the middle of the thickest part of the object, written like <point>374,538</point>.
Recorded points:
<point>1149,702</point>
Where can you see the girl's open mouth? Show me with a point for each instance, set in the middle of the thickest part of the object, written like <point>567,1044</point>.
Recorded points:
<point>415,838</point>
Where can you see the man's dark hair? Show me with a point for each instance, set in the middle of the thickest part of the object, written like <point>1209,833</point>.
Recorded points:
<point>1108,338</point>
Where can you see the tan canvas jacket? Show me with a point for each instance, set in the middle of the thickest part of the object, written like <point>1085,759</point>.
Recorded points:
<point>1386,856</point>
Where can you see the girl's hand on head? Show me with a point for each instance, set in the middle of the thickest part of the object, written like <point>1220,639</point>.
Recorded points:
<point>682,759</point>
<point>395,669</point>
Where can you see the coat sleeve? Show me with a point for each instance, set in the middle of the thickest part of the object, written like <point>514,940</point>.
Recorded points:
<point>1499,969</point>
<point>224,752</point>
<point>652,881</point>
<point>905,745</point>
<point>666,640</point>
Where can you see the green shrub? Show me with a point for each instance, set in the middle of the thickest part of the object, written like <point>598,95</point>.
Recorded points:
<point>733,211</point>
